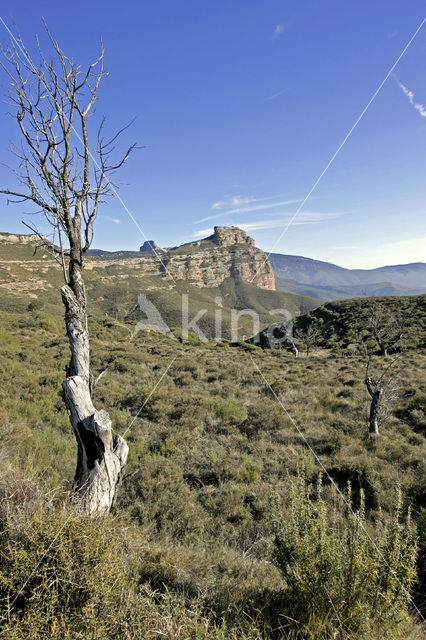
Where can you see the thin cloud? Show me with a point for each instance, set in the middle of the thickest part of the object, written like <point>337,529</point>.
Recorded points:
<point>410,95</point>
<point>278,30</point>
<point>234,201</point>
<point>276,95</point>
<point>260,207</point>
<point>307,217</point>
<point>249,209</point>
<point>114,220</point>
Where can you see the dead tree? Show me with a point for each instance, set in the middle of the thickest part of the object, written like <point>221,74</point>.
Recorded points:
<point>382,391</point>
<point>376,393</point>
<point>309,336</point>
<point>292,347</point>
<point>65,173</point>
<point>386,325</point>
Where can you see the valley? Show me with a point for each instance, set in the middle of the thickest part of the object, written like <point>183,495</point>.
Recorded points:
<point>224,440</point>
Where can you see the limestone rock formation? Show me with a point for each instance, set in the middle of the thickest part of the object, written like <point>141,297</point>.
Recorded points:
<point>150,246</point>
<point>228,236</point>
<point>229,252</point>
<point>14,238</point>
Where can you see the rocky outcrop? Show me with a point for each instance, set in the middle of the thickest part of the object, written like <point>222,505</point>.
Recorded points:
<point>150,246</point>
<point>229,236</point>
<point>229,252</point>
<point>234,255</point>
<point>13,238</point>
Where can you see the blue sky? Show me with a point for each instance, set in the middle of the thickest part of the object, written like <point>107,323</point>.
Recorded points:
<point>240,104</point>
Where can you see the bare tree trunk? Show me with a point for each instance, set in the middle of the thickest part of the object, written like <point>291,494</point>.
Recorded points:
<point>293,348</point>
<point>78,335</point>
<point>375,395</point>
<point>374,420</point>
<point>100,459</point>
<point>52,96</point>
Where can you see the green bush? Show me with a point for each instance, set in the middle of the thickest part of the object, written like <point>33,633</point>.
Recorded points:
<point>227,411</point>
<point>344,575</point>
<point>59,575</point>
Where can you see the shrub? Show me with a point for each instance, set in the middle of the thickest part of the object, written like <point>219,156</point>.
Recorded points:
<point>60,574</point>
<point>340,578</point>
<point>265,415</point>
<point>227,411</point>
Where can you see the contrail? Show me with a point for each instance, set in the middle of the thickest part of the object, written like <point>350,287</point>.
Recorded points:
<point>342,144</point>
<point>410,95</point>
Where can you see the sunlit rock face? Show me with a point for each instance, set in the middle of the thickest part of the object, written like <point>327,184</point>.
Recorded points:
<point>228,236</point>
<point>229,252</point>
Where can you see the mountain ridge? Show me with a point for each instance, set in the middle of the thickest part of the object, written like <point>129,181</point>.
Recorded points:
<point>230,252</point>
<point>328,281</point>
<point>30,279</point>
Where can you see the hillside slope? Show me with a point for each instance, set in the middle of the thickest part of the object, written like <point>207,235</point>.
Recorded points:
<point>114,282</point>
<point>346,322</point>
<point>214,462</point>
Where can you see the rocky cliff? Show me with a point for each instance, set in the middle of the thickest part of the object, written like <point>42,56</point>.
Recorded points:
<point>228,236</point>
<point>150,245</point>
<point>229,252</point>
<point>14,238</point>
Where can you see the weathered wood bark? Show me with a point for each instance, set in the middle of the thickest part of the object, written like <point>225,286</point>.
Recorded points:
<point>101,458</point>
<point>376,395</point>
<point>78,335</point>
<point>294,349</point>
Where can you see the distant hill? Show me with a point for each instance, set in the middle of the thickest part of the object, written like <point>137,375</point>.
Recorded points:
<point>328,281</point>
<point>345,322</point>
<point>347,291</point>
<point>204,270</point>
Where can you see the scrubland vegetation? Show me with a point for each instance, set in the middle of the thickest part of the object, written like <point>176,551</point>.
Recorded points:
<point>254,504</point>
<point>227,525</point>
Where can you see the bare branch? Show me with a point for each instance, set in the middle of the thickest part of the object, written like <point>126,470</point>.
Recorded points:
<point>50,100</point>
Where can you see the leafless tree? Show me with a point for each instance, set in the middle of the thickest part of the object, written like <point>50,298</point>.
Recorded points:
<point>64,170</point>
<point>309,335</point>
<point>386,325</point>
<point>383,389</point>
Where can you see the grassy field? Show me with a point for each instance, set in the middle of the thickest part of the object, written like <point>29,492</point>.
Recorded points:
<point>227,444</point>
<point>254,504</point>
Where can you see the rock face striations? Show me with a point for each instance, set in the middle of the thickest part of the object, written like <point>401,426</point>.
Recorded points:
<point>14,238</point>
<point>229,252</point>
<point>228,236</point>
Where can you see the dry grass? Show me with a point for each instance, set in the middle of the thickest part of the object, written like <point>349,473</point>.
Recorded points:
<point>206,452</point>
